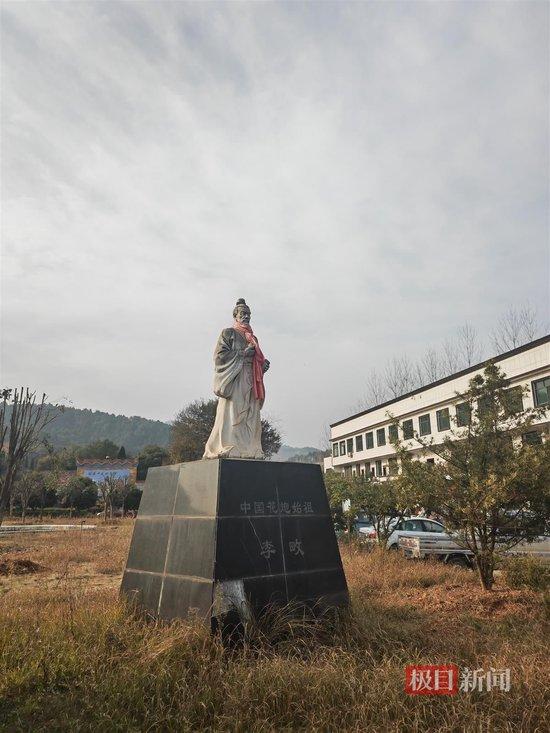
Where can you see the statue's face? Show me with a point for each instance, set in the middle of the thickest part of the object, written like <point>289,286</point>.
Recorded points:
<point>243,315</point>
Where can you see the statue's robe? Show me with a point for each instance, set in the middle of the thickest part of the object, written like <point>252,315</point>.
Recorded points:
<point>237,430</point>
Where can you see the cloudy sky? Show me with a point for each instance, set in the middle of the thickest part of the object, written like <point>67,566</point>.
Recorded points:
<point>367,175</point>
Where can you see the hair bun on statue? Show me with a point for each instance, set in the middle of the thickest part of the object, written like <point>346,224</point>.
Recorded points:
<point>241,303</point>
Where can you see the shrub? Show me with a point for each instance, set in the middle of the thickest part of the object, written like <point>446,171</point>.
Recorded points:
<point>527,572</point>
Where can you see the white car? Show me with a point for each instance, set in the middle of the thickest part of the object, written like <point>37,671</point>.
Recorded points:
<point>409,527</point>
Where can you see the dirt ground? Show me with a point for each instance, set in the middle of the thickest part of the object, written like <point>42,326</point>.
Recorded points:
<point>92,559</point>
<point>95,559</point>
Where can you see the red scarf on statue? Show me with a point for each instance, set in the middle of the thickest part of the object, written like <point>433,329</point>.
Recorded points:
<point>259,359</point>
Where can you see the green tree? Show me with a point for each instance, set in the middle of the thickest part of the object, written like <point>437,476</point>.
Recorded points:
<point>122,452</point>
<point>150,456</point>
<point>490,485</point>
<point>80,492</point>
<point>133,499</point>
<point>99,449</point>
<point>271,438</point>
<point>387,502</point>
<point>27,484</point>
<point>63,459</point>
<point>339,489</point>
<point>193,425</point>
<point>45,496</point>
<point>52,465</point>
<point>383,503</point>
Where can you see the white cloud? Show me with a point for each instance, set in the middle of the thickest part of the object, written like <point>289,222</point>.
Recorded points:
<point>368,176</point>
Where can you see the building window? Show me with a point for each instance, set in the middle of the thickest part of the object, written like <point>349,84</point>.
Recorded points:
<point>541,391</point>
<point>424,424</point>
<point>443,419</point>
<point>392,433</point>
<point>358,443</point>
<point>381,436</point>
<point>369,441</point>
<point>463,414</point>
<point>430,461</point>
<point>367,468</point>
<point>342,447</point>
<point>350,445</point>
<point>335,450</point>
<point>393,466</point>
<point>378,465</point>
<point>408,429</point>
<point>533,437</point>
<point>514,400</point>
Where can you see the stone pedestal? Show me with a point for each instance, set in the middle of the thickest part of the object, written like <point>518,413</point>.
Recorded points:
<point>229,538</point>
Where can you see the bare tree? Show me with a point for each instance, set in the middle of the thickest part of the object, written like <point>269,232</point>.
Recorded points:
<point>124,487</point>
<point>516,327</point>
<point>23,434</point>
<point>376,392</point>
<point>508,332</point>
<point>108,489</point>
<point>419,374</point>
<point>399,376</point>
<point>325,440</point>
<point>450,357</point>
<point>532,327</point>
<point>468,345</point>
<point>5,395</point>
<point>431,366</point>
<point>407,374</point>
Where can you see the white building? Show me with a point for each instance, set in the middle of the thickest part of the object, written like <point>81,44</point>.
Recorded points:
<point>361,443</point>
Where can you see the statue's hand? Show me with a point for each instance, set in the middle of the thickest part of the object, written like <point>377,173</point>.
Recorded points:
<point>266,365</point>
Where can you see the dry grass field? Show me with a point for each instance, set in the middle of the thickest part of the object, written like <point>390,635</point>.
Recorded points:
<point>74,658</point>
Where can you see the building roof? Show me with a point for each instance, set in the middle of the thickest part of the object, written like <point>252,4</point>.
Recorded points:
<point>468,370</point>
<point>106,462</point>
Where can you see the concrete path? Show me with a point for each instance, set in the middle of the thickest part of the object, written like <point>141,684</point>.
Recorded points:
<point>7,529</point>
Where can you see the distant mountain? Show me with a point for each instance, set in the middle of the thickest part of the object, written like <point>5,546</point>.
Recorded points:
<point>76,426</point>
<point>80,427</point>
<point>287,452</point>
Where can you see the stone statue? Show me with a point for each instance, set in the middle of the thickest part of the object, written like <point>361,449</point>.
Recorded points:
<point>239,366</point>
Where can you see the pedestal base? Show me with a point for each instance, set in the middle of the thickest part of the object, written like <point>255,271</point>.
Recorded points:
<point>231,537</point>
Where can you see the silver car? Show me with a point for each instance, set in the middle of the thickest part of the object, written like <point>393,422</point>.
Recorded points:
<point>408,527</point>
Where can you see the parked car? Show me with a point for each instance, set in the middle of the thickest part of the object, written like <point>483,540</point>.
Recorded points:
<point>407,527</point>
<point>439,546</point>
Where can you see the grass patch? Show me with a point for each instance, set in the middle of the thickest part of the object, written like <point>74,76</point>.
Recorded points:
<point>75,658</point>
<point>527,572</point>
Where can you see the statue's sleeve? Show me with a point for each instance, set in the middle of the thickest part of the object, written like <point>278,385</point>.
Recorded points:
<point>228,362</point>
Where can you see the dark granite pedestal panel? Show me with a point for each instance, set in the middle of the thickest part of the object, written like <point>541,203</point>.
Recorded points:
<point>230,537</point>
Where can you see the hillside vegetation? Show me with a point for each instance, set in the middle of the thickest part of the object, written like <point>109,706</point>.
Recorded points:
<point>74,426</point>
<point>79,427</point>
